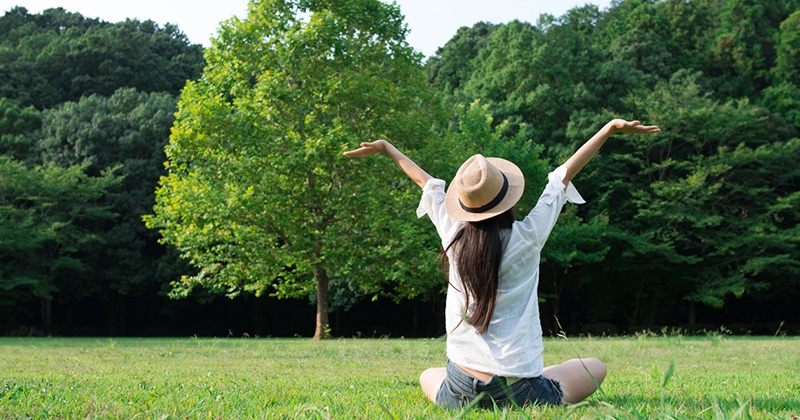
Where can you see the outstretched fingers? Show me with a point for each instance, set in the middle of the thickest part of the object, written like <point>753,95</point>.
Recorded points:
<point>644,129</point>
<point>635,127</point>
<point>366,149</point>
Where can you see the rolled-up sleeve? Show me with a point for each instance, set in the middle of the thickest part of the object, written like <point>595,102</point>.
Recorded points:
<point>556,178</point>
<point>538,224</point>
<point>432,204</point>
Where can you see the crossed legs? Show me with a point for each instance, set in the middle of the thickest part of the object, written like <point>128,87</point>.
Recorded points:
<point>574,375</point>
<point>576,382</point>
<point>431,380</point>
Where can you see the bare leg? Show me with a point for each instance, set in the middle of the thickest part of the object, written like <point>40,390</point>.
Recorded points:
<point>431,380</point>
<point>575,381</point>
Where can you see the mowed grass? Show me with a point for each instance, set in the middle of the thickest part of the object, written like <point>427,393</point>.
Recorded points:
<point>665,376</point>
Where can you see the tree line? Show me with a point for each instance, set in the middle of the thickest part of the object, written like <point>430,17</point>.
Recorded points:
<point>702,216</point>
<point>696,225</point>
<point>85,114</point>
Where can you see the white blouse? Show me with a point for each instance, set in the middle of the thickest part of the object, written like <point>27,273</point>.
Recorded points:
<point>512,344</point>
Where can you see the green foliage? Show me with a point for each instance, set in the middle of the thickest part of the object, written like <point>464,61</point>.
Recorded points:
<point>697,203</point>
<point>453,63</point>
<point>712,187</point>
<point>128,131</point>
<point>645,53</point>
<point>260,200</point>
<point>48,219</point>
<point>57,56</point>
<point>788,50</point>
<point>15,126</point>
<point>533,77</point>
<point>685,216</point>
<point>259,196</point>
<point>48,60</point>
<point>783,96</point>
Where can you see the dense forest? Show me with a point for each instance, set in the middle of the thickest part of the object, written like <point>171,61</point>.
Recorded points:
<point>697,227</point>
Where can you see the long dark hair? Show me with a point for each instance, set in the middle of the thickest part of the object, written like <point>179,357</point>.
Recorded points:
<point>478,249</point>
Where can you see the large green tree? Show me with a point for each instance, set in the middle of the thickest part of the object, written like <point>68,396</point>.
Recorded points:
<point>259,196</point>
<point>722,184</point>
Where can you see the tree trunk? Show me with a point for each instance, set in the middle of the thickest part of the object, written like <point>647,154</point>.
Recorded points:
<point>47,315</point>
<point>322,330</point>
<point>260,314</point>
<point>415,316</point>
<point>692,313</point>
<point>554,300</point>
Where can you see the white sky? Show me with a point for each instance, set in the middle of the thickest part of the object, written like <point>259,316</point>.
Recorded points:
<point>431,22</point>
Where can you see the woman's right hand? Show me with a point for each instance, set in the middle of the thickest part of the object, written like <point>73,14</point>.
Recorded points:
<point>586,152</point>
<point>632,127</point>
<point>368,149</point>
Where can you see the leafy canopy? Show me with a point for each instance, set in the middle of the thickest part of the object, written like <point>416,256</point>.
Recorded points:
<point>259,196</point>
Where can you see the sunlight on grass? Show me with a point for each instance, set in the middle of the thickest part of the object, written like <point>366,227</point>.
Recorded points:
<point>664,376</point>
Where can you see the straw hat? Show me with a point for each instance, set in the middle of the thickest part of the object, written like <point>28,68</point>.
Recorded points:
<point>483,188</point>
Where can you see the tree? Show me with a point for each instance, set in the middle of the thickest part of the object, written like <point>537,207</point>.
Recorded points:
<point>783,96</point>
<point>581,19</point>
<point>127,131</point>
<point>743,48</point>
<point>565,76</point>
<point>58,56</point>
<point>787,62</point>
<point>16,126</point>
<point>534,75</point>
<point>704,207</point>
<point>646,54</point>
<point>48,218</point>
<point>453,63</point>
<point>258,196</point>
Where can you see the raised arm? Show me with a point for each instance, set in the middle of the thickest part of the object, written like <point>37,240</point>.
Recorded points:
<point>417,174</point>
<point>578,160</point>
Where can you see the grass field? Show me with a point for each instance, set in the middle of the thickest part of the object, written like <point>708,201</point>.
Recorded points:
<point>665,376</point>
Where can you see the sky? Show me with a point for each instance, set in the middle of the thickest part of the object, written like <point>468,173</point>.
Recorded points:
<point>431,23</point>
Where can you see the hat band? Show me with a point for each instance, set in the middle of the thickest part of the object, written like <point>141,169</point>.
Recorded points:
<point>495,201</point>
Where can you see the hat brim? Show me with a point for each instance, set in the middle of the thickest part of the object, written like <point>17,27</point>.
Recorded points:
<point>516,186</point>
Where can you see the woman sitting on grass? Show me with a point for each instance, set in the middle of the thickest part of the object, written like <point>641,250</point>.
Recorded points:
<point>494,336</point>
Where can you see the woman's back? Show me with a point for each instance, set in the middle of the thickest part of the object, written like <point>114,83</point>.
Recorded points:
<point>512,345</point>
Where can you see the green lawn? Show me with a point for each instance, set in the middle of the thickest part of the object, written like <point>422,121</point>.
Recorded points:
<point>650,376</point>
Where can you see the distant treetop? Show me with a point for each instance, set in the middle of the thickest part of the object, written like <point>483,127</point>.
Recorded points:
<point>59,56</point>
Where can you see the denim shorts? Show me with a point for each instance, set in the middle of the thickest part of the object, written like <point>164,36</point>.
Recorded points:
<point>459,389</point>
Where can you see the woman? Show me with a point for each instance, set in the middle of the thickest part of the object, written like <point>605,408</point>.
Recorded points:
<point>494,336</point>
